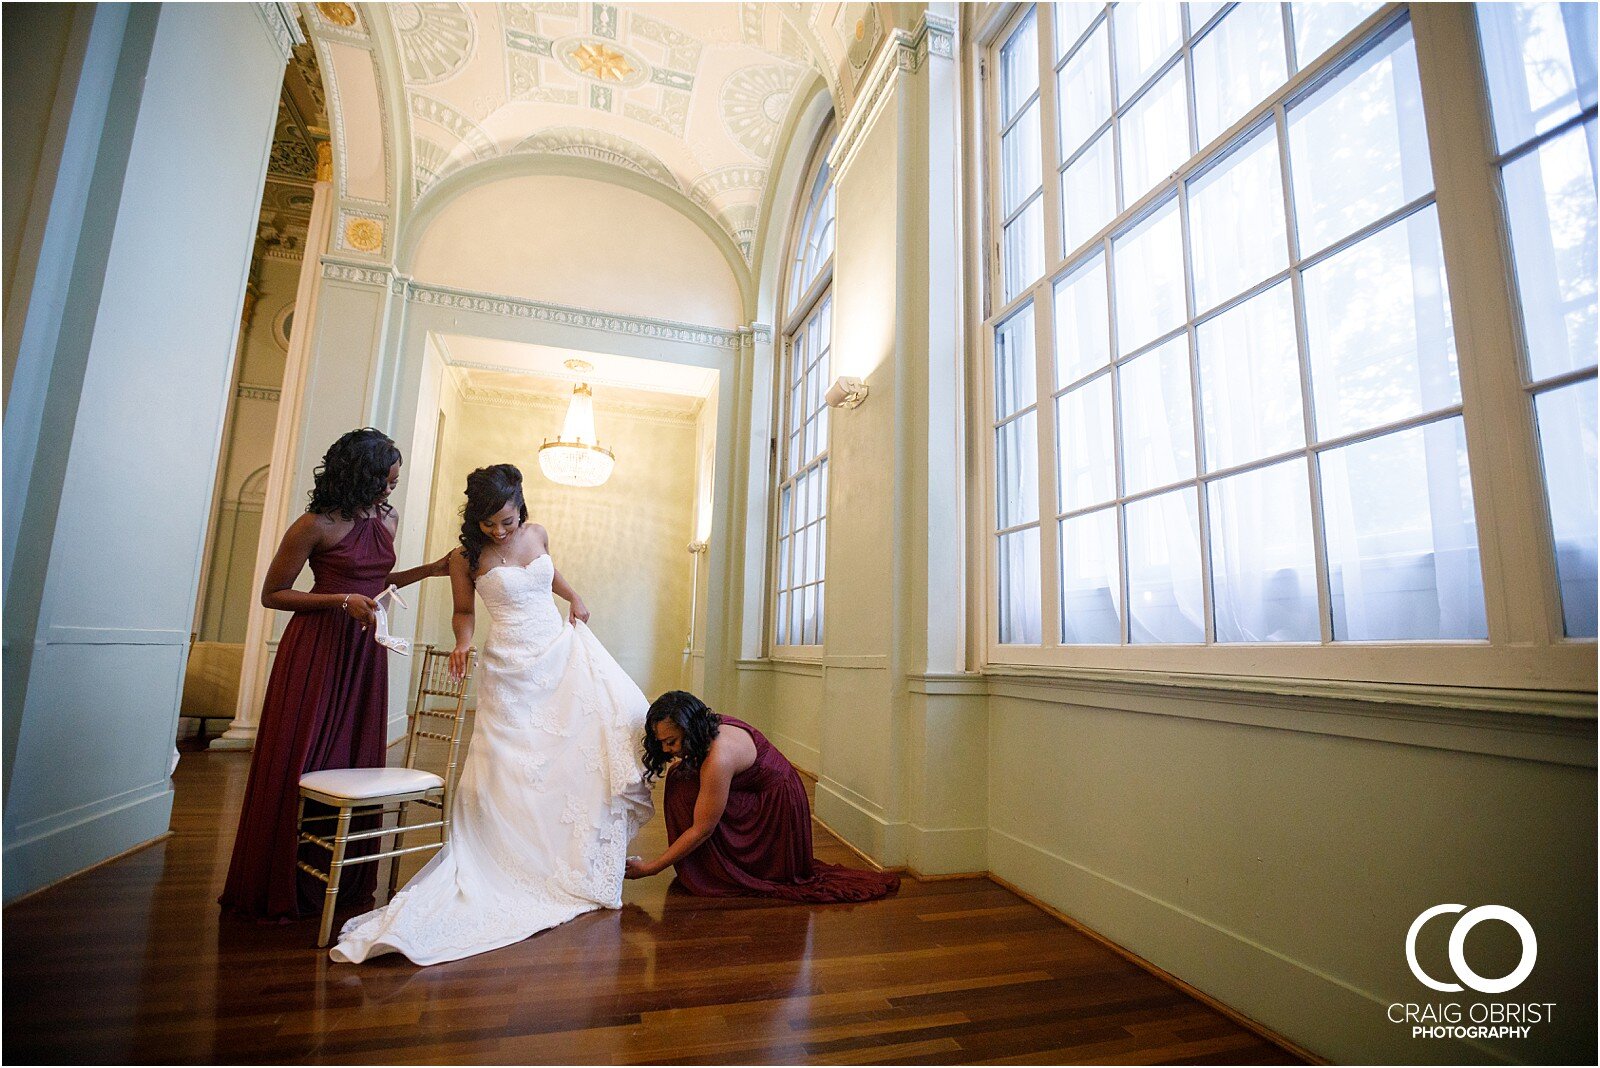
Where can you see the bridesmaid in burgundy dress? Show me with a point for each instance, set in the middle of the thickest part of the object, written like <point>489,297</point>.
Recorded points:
<point>326,704</point>
<point>737,816</point>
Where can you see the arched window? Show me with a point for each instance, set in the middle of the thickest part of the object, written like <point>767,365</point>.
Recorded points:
<point>804,373</point>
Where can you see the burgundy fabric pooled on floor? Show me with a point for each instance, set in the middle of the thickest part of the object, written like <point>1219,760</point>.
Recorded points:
<point>762,846</point>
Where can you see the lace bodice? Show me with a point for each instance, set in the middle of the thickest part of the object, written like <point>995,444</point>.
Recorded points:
<point>521,612</point>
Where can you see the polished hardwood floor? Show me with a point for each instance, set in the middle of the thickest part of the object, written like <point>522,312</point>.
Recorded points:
<point>131,962</point>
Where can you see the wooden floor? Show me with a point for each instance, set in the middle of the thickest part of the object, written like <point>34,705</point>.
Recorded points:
<point>132,963</point>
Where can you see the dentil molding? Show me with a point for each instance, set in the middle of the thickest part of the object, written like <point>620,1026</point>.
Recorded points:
<point>903,52</point>
<point>438,296</point>
<point>281,23</point>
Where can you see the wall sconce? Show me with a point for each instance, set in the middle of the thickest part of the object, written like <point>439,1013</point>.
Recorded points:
<point>846,392</point>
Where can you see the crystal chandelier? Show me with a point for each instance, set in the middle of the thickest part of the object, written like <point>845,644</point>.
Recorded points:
<point>575,457</point>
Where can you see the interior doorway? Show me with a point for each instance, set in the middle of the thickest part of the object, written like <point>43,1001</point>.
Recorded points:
<point>626,545</point>
<point>268,321</point>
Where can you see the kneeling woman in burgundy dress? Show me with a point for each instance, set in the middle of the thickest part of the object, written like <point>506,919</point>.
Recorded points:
<point>737,816</point>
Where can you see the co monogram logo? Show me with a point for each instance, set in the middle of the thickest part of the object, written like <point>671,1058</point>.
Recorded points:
<point>1458,939</point>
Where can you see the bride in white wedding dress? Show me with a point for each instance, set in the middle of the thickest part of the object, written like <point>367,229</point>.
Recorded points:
<point>552,787</point>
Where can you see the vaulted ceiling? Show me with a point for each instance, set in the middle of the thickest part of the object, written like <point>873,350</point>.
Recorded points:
<point>690,95</point>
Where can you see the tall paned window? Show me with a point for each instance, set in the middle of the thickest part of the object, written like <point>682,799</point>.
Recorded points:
<point>1223,389</point>
<point>802,443</point>
<point>1539,61</point>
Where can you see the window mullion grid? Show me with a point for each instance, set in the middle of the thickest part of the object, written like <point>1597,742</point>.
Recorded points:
<point>811,298</point>
<point>993,206</point>
<point>1044,336</point>
<point>1000,309</point>
<point>1202,506</point>
<point>787,483</point>
<point>1116,130</point>
<point>1291,53</point>
<point>1007,220</point>
<point>1115,343</point>
<point>1192,110</point>
<point>1319,540</point>
<point>1355,237</point>
<point>1539,140</point>
<point>1531,385</point>
<point>1104,15</point>
<point>1565,378</point>
<point>1522,595</point>
<point>1054,235</point>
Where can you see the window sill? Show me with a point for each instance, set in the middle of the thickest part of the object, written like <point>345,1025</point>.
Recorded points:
<point>1557,704</point>
<point>1553,727</point>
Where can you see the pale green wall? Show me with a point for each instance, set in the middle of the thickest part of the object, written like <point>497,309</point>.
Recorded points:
<point>1270,850</point>
<point>246,452</point>
<point>622,545</point>
<point>1278,869</point>
<point>98,617</point>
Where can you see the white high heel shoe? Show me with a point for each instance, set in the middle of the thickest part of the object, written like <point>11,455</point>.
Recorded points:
<point>381,631</point>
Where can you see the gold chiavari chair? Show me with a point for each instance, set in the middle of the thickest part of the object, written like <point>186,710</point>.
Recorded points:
<point>359,792</point>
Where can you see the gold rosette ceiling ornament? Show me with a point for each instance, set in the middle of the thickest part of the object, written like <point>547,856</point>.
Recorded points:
<point>575,457</point>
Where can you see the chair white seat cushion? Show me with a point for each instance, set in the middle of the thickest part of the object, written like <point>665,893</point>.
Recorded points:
<point>360,784</point>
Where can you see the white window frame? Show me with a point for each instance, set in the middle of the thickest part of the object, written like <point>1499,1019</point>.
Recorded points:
<point>1526,648</point>
<point>799,312</point>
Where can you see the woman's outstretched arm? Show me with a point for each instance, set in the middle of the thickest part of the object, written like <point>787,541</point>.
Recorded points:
<point>437,569</point>
<point>561,587</point>
<point>463,618</point>
<point>716,777</point>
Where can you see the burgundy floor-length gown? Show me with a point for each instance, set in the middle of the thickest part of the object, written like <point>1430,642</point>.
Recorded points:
<point>762,845</point>
<point>326,706</point>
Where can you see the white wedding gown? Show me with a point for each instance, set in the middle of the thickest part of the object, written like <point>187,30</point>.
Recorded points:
<point>551,790</point>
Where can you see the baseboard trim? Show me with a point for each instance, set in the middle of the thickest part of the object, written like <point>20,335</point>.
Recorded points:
<point>1254,1027</point>
<point>944,877</point>
<point>808,755</point>
<point>130,851</point>
<point>842,840</point>
<point>850,820</point>
<point>65,851</point>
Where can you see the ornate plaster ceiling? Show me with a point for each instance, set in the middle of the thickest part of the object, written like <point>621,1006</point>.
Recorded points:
<point>302,124</point>
<point>690,95</point>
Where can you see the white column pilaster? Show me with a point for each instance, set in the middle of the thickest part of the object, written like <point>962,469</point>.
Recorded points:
<point>241,733</point>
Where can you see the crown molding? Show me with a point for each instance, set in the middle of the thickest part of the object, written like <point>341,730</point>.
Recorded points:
<point>280,23</point>
<point>530,400</point>
<point>903,52</point>
<point>357,273</point>
<point>566,315</point>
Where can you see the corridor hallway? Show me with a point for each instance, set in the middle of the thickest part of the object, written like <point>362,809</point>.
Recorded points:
<point>131,962</point>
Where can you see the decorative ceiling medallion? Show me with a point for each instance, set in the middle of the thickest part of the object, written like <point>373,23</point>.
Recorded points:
<point>862,38</point>
<point>588,143</point>
<point>364,235</point>
<point>338,14</point>
<point>436,40</point>
<point>754,101</point>
<point>601,61</point>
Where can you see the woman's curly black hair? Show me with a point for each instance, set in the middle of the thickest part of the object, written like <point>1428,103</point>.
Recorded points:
<point>354,474</point>
<point>488,491</point>
<point>697,722</point>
